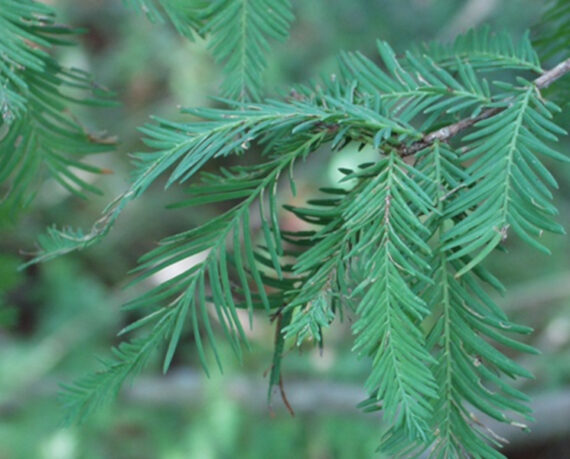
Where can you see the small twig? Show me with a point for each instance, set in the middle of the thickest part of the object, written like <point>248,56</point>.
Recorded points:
<point>549,77</point>
<point>284,397</point>
<point>447,132</point>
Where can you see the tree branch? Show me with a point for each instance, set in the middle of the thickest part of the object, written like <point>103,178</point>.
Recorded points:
<point>445,133</point>
<point>549,77</point>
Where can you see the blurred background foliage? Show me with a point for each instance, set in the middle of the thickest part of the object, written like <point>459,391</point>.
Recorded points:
<point>56,318</point>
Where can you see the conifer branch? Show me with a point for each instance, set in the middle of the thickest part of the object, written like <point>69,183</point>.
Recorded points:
<point>394,243</point>
<point>447,132</point>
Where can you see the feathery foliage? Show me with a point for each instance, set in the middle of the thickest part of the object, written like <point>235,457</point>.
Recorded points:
<point>486,50</point>
<point>553,30</point>
<point>39,134</point>
<point>399,243</point>
<point>467,368</point>
<point>377,236</point>
<point>185,15</point>
<point>239,32</point>
<point>511,183</point>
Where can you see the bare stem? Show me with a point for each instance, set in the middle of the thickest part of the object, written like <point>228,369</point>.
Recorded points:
<point>446,132</point>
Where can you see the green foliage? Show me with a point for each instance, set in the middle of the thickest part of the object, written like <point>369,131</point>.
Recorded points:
<point>385,227</point>
<point>511,182</point>
<point>399,243</point>
<point>239,33</point>
<point>310,321</point>
<point>554,29</point>
<point>487,50</point>
<point>39,135</point>
<point>185,15</point>
<point>465,320</point>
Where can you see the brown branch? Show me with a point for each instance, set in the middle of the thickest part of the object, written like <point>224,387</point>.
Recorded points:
<point>445,133</point>
<point>549,77</point>
<point>284,397</point>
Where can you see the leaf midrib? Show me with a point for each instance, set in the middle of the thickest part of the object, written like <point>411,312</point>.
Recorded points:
<point>512,149</point>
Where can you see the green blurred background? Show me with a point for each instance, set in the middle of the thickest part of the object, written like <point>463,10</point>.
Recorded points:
<point>55,319</point>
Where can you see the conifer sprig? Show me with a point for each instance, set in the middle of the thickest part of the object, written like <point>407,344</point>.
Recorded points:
<point>183,148</point>
<point>399,243</point>
<point>239,34</point>
<point>39,135</point>
<point>240,31</point>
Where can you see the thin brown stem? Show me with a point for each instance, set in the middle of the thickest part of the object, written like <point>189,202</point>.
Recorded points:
<point>445,133</point>
<point>549,77</point>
